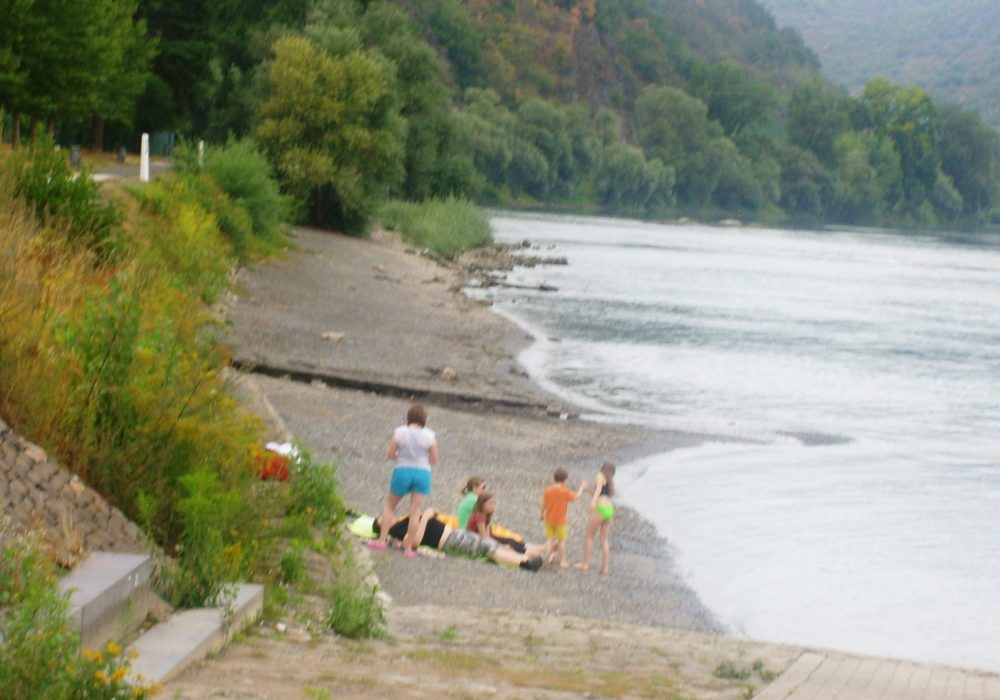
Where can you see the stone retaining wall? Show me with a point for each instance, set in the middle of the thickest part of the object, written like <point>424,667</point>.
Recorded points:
<point>39,494</point>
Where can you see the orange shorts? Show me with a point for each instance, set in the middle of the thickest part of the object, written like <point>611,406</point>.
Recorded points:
<point>556,532</point>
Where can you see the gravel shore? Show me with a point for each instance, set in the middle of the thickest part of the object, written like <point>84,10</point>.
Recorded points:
<point>364,326</point>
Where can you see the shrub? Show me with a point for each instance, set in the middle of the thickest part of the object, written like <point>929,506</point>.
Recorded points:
<point>355,611</point>
<point>46,181</point>
<point>446,226</point>
<point>253,215</point>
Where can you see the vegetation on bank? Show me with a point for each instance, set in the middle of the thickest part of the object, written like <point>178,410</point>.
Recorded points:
<point>447,227</point>
<point>112,358</point>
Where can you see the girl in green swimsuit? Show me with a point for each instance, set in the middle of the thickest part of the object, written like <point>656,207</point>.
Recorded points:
<point>603,515</point>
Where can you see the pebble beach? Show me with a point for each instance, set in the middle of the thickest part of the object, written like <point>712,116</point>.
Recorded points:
<point>344,333</point>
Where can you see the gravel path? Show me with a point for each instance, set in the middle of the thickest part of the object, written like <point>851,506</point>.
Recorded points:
<point>376,311</point>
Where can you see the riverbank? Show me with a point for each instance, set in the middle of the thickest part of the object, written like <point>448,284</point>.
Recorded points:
<point>378,317</point>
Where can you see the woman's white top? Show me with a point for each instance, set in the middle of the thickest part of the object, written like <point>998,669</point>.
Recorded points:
<point>413,446</point>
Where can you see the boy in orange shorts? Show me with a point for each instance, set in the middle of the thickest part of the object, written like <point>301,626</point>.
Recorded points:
<point>555,505</point>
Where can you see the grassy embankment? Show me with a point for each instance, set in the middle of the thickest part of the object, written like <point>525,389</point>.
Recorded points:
<point>112,358</point>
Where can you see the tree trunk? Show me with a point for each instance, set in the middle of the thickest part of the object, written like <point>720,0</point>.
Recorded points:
<point>15,137</point>
<point>50,127</point>
<point>33,130</point>
<point>96,133</point>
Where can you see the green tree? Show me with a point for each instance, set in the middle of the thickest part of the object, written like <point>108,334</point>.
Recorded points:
<point>970,155</point>
<point>626,182</point>
<point>674,127</point>
<point>331,125</point>
<point>908,117</point>
<point>818,114</point>
<point>733,99</point>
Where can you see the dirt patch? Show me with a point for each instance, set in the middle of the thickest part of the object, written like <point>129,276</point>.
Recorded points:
<point>459,652</point>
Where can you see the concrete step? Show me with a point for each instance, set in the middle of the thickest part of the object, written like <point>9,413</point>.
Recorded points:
<point>109,596</point>
<point>191,635</point>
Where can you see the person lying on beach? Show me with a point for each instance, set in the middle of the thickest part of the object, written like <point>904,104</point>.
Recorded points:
<point>434,532</point>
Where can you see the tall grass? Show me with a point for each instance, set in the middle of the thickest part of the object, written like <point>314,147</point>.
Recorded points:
<point>448,227</point>
<point>114,364</point>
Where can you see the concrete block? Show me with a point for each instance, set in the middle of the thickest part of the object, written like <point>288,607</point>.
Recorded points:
<point>109,596</point>
<point>191,635</point>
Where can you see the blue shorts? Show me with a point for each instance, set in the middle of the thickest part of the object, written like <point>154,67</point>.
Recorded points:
<point>410,480</point>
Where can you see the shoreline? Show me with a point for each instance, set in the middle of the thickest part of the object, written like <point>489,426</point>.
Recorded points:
<point>405,323</point>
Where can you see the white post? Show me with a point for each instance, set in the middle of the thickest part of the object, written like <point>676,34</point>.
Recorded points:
<point>144,159</point>
<point>201,154</point>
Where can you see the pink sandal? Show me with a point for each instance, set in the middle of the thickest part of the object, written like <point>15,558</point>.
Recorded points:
<point>409,554</point>
<point>377,545</point>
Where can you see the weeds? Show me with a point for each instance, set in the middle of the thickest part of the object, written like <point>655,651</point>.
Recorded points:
<point>446,226</point>
<point>355,612</point>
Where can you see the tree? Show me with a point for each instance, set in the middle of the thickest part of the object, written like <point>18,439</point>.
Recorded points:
<point>733,100</point>
<point>970,155</point>
<point>908,117</point>
<point>674,127</point>
<point>122,83</point>
<point>626,182</point>
<point>331,125</point>
<point>818,114</point>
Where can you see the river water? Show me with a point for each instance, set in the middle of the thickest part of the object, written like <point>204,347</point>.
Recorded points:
<point>853,500</point>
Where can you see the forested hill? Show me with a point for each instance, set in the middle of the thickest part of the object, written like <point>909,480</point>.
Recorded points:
<point>951,48</point>
<point>604,52</point>
<point>637,107</point>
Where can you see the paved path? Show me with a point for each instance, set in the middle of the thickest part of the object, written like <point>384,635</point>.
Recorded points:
<point>836,676</point>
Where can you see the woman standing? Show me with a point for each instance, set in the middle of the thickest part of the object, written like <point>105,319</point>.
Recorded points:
<point>413,450</point>
<point>600,519</point>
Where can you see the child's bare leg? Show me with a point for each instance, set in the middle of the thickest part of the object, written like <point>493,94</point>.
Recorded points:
<point>588,542</point>
<point>605,546</point>
<point>558,552</point>
<point>416,504</point>
<point>563,564</point>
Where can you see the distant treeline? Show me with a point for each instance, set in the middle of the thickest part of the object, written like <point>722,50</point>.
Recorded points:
<point>642,107</point>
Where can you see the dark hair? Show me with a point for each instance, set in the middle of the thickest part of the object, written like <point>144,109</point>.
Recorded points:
<point>560,475</point>
<point>472,483</point>
<point>481,502</point>
<point>416,414</point>
<point>608,470</point>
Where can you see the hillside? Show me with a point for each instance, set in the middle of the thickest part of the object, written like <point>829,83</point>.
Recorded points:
<point>948,47</point>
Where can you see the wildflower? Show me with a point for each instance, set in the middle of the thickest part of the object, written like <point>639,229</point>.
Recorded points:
<point>119,674</point>
<point>101,676</point>
<point>93,655</point>
<point>114,649</point>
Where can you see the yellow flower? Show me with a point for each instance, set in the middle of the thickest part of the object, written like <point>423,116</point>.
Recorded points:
<point>119,674</point>
<point>101,676</point>
<point>114,649</point>
<point>93,655</point>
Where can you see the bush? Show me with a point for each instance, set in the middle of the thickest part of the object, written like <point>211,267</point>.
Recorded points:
<point>252,209</point>
<point>45,180</point>
<point>355,611</point>
<point>448,227</point>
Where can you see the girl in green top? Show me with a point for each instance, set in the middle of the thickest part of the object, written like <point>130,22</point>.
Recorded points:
<point>475,486</point>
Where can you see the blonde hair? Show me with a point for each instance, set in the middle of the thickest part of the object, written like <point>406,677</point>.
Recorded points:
<point>472,483</point>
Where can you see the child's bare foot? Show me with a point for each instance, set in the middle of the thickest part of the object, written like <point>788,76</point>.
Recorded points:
<point>552,558</point>
<point>581,567</point>
<point>564,565</point>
